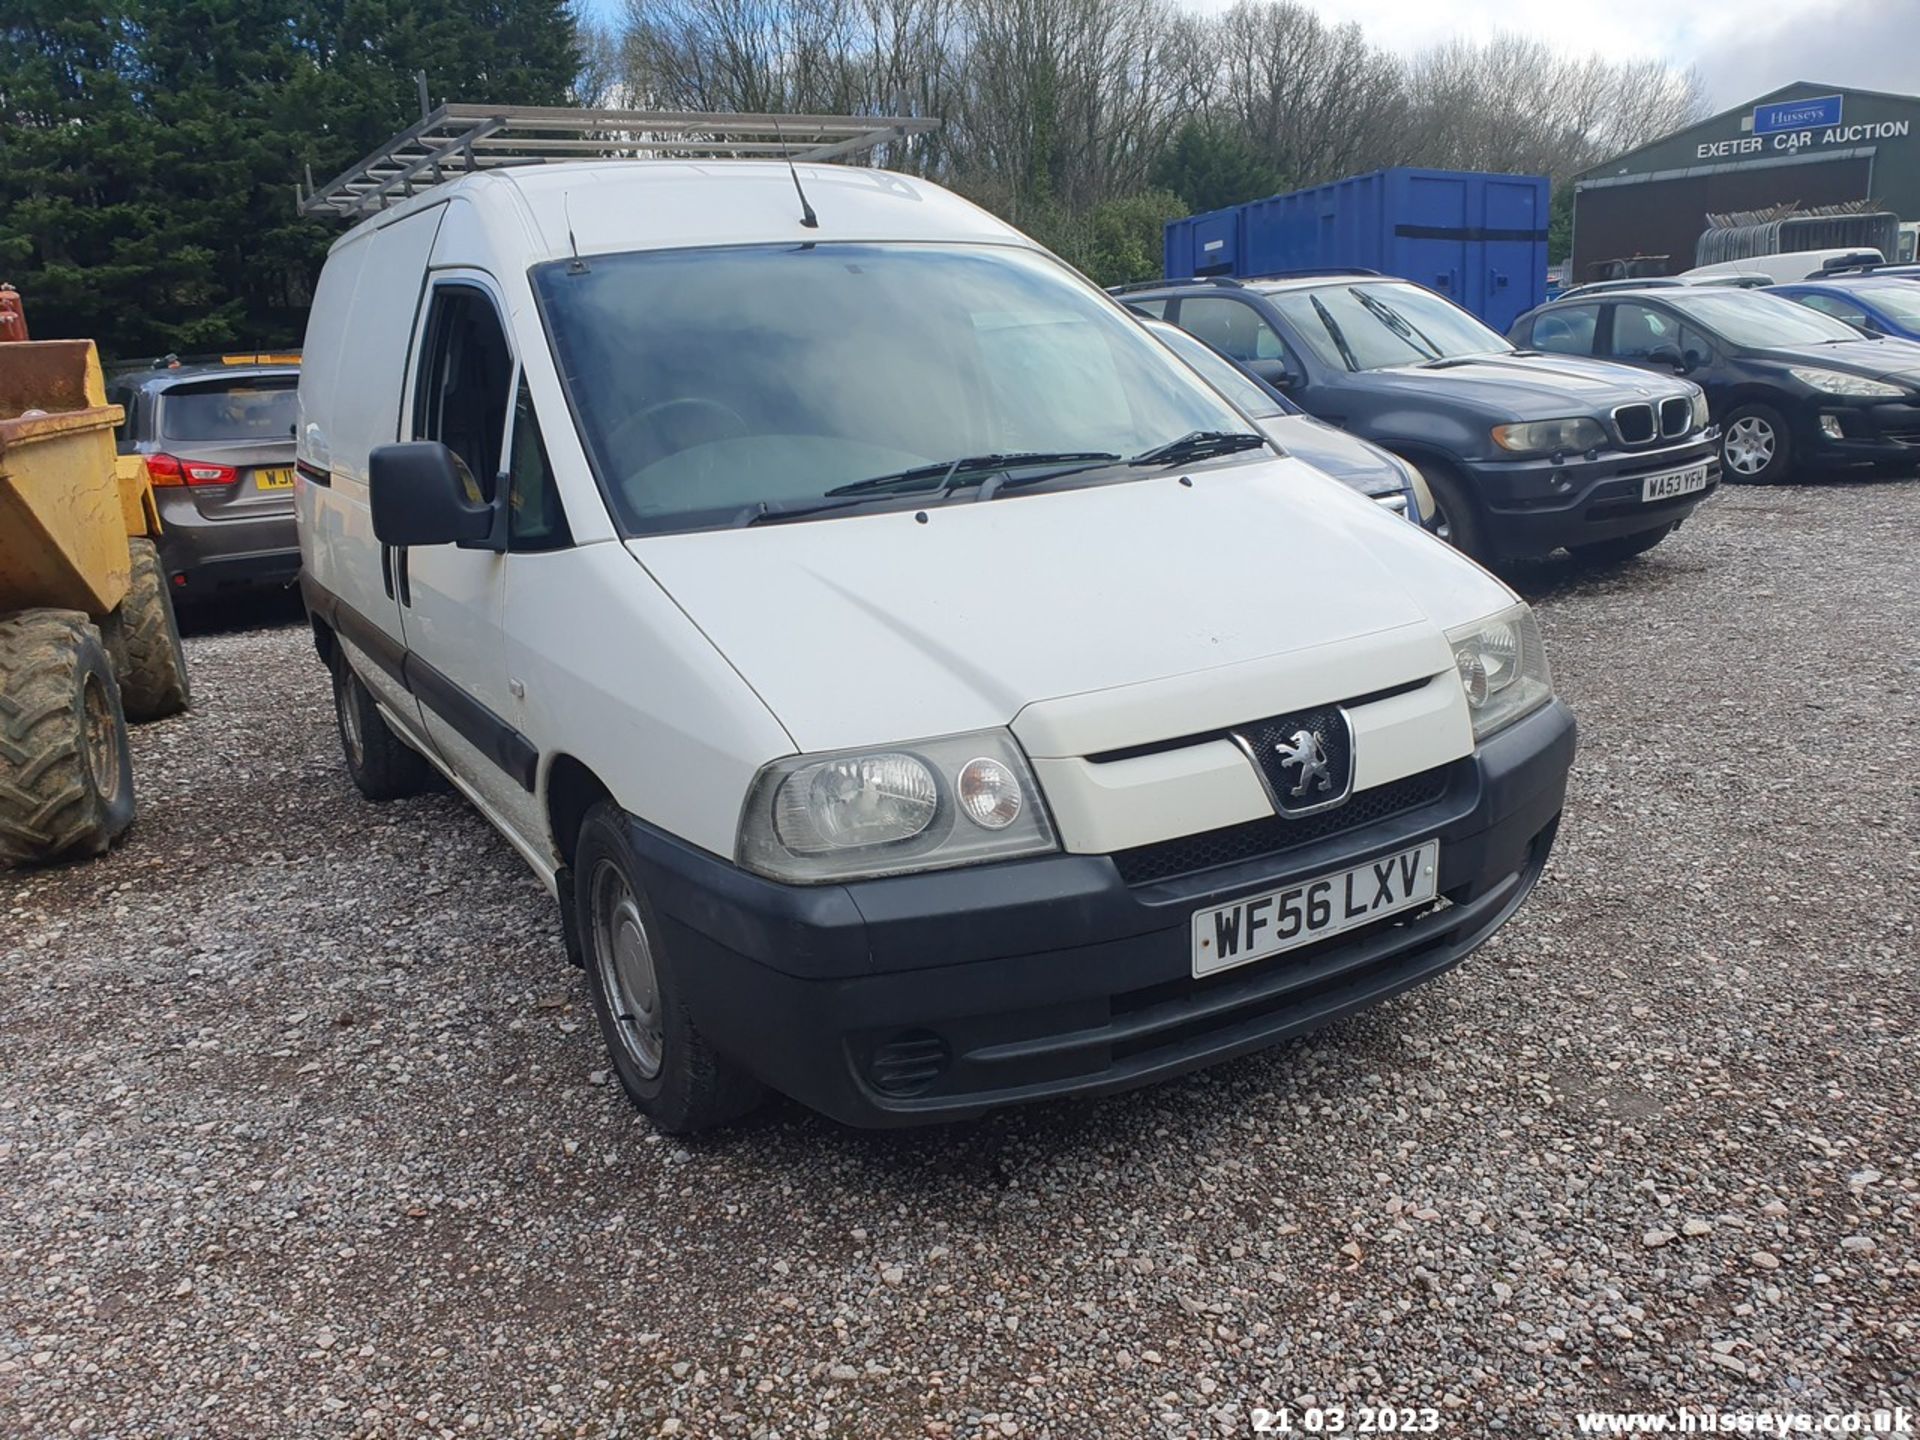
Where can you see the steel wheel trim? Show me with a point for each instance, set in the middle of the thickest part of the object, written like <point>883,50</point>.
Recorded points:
<point>350,732</point>
<point>100,741</point>
<point>1749,445</point>
<point>623,958</point>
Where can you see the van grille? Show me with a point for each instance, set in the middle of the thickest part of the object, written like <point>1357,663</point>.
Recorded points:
<point>1275,834</point>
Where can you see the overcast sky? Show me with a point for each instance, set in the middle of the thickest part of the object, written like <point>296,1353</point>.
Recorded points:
<point>1743,48</point>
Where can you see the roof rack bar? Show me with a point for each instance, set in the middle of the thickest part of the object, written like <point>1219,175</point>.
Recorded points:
<point>457,139</point>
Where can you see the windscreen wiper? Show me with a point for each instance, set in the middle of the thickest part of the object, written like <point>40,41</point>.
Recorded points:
<point>944,473</point>
<point>1199,445</point>
<point>768,512</point>
<point>1334,330</point>
<point>1398,324</point>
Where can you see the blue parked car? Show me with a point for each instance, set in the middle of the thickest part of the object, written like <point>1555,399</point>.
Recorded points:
<point>1877,304</point>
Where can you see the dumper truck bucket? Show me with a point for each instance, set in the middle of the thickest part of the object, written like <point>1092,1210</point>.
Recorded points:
<point>63,518</point>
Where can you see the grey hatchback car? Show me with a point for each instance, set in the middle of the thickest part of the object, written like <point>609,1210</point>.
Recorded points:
<point>217,438</point>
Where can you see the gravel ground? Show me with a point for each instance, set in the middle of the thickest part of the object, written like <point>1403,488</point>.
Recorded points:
<point>304,1128</point>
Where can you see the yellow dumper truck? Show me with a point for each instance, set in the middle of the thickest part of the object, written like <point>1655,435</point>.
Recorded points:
<point>88,639</point>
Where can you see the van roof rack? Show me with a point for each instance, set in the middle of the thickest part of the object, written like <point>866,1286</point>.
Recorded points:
<point>458,139</point>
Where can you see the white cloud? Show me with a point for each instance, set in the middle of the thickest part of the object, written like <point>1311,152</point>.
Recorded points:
<point>1742,48</point>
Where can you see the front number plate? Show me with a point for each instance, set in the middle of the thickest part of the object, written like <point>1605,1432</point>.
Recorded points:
<point>1264,925</point>
<point>1674,482</point>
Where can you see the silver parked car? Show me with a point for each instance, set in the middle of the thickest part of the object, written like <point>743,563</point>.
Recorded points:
<point>1375,473</point>
<point>217,438</point>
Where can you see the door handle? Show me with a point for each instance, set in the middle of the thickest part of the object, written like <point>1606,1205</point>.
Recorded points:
<point>400,576</point>
<point>386,569</point>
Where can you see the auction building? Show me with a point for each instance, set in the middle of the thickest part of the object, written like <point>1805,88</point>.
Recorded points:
<point>1807,146</point>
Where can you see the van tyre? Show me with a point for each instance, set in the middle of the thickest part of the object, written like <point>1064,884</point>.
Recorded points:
<point>381,764</point>
<point>665,1064</point>
<point>1622,547</point>
<point>143,637</point>
<point>66,771</point>
<point>1756,448</point>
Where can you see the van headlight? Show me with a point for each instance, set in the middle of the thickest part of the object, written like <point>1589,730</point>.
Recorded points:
<point>928,805</point>
<point>1503,668</point>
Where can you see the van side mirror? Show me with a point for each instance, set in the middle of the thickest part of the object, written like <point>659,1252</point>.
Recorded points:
<point>1670,356</point>
<point>423,494</point>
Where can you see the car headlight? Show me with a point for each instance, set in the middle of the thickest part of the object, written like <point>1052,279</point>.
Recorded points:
<point>927,805</point>
<point>1701,414</point>
<point>1503,668</point>
<point>1838,382</point>
<point>1545,436</point>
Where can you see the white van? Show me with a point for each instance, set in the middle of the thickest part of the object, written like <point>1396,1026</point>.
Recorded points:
<point>1789,265</point>
<point>919,690</point>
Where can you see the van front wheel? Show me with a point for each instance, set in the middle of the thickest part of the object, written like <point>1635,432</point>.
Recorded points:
<point>665,1064</point>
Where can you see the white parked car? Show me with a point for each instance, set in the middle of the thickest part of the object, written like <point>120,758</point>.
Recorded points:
<point>919,690</point>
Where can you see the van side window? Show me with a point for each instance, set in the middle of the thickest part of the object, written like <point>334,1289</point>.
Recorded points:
<point>535,520</point>
<point>460,398</point>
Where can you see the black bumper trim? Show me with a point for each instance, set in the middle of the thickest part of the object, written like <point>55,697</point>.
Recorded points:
<point>1051,976</point>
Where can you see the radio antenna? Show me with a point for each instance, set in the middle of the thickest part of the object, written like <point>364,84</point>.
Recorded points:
<point>807,217</point>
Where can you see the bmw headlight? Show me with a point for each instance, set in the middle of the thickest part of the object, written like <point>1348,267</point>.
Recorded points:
<point>1838,382</point>
<point>928,805</point>
<point>1541,437</point>
<point>1503,668</point>
<point>1701,414</point>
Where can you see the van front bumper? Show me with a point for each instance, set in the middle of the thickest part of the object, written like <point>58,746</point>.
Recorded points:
<point>943,995</point>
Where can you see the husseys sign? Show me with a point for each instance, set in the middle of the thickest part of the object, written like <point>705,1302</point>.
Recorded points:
<point>1789,125</point>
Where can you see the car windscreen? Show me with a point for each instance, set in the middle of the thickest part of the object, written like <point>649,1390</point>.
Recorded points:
<point>257,408</point>
<point>709,381</point>
<point>1221,373</point>
<point>1750,319</point>
<point>1375,325</point>
<point>1899,298</point>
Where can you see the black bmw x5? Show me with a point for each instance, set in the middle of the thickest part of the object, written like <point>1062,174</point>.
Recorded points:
<point>1524,453</point>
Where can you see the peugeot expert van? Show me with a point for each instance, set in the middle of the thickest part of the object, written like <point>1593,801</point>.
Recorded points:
<point>920,691</point>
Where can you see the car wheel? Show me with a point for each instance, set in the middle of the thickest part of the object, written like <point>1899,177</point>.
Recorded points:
<point>665,1064</point>
<point>66,770</point>
<point>1621,547</point>
<point>1454,518</point>
<point>143,637</point>
<point>381,764</point>
<point>1755,447</point>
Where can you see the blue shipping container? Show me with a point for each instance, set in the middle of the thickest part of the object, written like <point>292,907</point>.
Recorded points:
<point>1480,240</point>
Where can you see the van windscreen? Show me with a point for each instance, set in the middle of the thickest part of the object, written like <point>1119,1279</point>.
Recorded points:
<point>707,382</point>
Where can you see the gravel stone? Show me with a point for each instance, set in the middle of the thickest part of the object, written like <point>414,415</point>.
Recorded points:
<point>307,1130</point>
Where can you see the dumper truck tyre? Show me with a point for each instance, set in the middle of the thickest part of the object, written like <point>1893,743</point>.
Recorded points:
<point>66,771</point>
<point>143,637</point>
